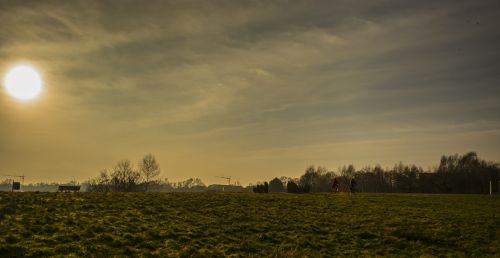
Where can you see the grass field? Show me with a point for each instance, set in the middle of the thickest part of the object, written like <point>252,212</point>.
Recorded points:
<point>223,224</point>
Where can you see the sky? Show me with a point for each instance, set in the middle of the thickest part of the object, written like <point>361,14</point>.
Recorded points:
<point>248,89</point>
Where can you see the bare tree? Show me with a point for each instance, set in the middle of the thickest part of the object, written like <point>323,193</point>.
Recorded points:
<point>149,168</point>
<point>124,178</point>
<point>101,183</point>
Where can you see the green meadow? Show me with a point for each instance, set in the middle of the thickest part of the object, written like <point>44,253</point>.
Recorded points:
<point>248,225</point>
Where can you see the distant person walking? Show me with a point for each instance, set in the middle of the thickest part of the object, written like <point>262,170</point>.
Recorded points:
<point>353,186</point>
<point>335,185</point>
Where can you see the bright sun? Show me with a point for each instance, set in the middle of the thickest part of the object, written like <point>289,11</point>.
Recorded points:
<point>23,82</point>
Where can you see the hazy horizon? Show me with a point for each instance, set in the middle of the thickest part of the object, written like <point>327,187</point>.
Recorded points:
<point>248,89</point>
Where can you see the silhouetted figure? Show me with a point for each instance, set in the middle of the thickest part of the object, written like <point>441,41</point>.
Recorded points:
<point>353,186</point>
<point>266,187</point>
<point>335,185</point>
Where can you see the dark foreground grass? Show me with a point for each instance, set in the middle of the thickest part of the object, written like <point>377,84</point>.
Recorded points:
<point>219,224</point>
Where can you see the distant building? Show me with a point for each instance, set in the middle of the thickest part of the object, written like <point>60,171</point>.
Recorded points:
<point>227,188</point>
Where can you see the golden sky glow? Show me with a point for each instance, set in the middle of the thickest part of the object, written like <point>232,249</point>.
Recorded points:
<point>247,89</point>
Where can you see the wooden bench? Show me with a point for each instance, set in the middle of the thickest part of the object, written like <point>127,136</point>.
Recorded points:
<point>68,188</point>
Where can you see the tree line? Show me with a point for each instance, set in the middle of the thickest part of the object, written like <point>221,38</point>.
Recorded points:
<point>124,177</point>
<point>455,174</point>
<point>467,174</point>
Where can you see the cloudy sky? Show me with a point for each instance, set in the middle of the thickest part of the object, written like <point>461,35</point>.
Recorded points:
<point>248,89</point>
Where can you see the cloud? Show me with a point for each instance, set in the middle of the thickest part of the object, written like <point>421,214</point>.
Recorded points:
<point>229,84</point>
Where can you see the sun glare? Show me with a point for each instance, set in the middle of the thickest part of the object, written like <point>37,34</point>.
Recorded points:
<point>23,82</point>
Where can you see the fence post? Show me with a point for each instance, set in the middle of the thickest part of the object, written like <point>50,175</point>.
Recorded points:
<point>490,188</point>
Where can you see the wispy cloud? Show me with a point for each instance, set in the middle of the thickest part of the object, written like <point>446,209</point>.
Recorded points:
<point>257,88</point>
